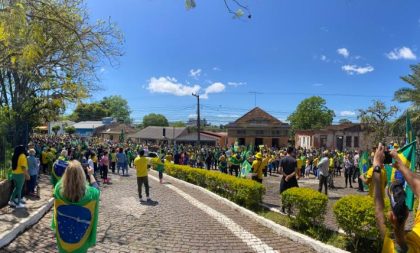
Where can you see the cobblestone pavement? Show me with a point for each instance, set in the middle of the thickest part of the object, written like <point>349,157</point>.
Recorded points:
<point>183,220</point>
<point>272,197</point>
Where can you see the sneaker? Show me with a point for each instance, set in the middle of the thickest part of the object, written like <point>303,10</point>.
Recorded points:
<point>149,200</point>
<point>12,204</point>
<point>142,200</point>
<point>22,200</point>
<point>20,205</point>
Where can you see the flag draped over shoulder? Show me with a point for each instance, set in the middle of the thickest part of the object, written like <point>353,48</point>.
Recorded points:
<point>407,154</point>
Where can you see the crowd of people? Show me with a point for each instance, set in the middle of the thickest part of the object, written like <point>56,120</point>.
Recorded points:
<point>77,167</point>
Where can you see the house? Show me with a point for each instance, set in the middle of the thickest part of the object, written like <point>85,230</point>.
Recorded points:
<point>113,130</point>
<point>86,128</point>
<point>257,127</point>
<point>155,134</point>
<point>347,136</point>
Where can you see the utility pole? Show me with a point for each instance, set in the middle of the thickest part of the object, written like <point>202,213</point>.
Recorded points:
<point>198,117</point>
<point>255,96</point>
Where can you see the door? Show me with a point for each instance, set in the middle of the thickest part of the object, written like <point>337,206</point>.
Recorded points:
<point>275,142</point>
<point>339,143</point>
<point>258,141</point>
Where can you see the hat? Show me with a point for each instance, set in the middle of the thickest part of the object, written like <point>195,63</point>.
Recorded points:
<point>258,155</point>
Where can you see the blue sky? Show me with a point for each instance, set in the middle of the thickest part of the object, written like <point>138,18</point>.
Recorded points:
<point>351,52</point>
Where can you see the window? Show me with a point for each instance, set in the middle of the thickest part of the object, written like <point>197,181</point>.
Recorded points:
<point>240,132</point>
<point>323,141</point>
<point>356,141</point>
<point>275,132</point>
<point>348,141</point>
<point>259,132</point>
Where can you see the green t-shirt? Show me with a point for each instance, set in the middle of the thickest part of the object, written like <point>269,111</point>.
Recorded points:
<point>77,221</point>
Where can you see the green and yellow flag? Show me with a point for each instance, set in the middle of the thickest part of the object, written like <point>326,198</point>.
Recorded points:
<point>364,165</point>
<point>408,130</point>
<point>407,154</point>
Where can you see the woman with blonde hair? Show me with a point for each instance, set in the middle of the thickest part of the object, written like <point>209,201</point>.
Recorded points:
<point>76,209</point>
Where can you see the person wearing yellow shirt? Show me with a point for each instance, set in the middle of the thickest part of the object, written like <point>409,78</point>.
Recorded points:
<point>399,240</point>
<point>367,179</point>
<point>140,163</point>
<point>257,168</point>
<point>19,169</point>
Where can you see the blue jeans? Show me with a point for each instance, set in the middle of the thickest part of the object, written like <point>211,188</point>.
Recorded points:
<point>123,167</point>
<point>32,183</point>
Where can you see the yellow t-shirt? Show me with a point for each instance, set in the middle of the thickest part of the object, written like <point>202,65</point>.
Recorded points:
<point>44,157</point>
<point>369,177</point>
<point>257,167</point>
<point>168,158</point>
<point>412,238</point>
<point>22,162</point>
<point>140,163</point>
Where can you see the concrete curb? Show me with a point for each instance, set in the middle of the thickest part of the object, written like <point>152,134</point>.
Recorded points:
<point>283,231</point>
<point>8,236</point>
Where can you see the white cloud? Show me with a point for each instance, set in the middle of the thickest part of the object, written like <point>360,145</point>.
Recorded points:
<point>318,84</point>
<point>227,116</point>
<point>347,113</point>
<point>171,86</point>
<point>216,68</point>
<point>354,69</point>
<point>213,88</point>
<point>192,116</point>
<point>102,70</point>
<point>344,52</point>
<point>195,73</point>
<point>236,84</point>
<point>324,58</point>
<point>401,53</point>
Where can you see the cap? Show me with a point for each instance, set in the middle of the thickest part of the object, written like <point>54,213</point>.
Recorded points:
<point>258,155</point>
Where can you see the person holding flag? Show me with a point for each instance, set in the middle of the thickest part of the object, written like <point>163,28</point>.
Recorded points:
<point>257,168</point>
<point>399,240</point>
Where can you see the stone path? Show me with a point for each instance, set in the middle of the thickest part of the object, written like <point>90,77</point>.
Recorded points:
<point>183,220</point>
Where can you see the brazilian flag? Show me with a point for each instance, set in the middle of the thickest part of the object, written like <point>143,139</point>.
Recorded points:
<point>407,154</point>
<point>364,165</point>
<point>246,168</point>
<point>408,130</point>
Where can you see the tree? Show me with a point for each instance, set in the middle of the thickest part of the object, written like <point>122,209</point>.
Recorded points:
<point>93,111</point>
<point>409,95</point>
<point>70,130</point>
<point>311,113</point>
<point>117,108</point>
<point>376,119</point>
<point>55,129</point>
<point>49,54</point>
<point>178,124</point>
<point>153,119</point>
<point>230,4</point>
<point>344,121</point>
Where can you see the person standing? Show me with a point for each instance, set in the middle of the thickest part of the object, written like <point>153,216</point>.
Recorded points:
<point>223,163</point>
<point>33,171</point>
<point>257,168</point>
<point>19,169</point>
<point>289,168</point>
<point>122,162</point>
<point>348,170</point>
<point>104,164</point>
<point>113,158</point>
<point>140,163</point>
<point>323,172</point>
<point>75,212</point>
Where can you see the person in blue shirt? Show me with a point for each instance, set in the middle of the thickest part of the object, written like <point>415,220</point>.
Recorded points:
<point>122,162</point>
<point>33,170</point>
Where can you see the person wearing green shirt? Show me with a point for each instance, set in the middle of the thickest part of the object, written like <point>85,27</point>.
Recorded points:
<point>235,161</point>
<point>75,212</point>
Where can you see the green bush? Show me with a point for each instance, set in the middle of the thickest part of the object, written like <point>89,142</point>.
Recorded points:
<point>244,192</point>
<point>309,204</point>
<point>355,214</point>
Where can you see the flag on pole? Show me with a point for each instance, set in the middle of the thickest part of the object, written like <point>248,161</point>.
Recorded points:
<point>407,154</point>
<point>364,165</point>
<point>246,168</point>
<point>408,130</point>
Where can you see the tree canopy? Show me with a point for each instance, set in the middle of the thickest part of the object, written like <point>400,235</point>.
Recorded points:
<point>153,119</point>
<point>311,113</point>
<point>113,106</point>
<point>49,54</point>
<point>377,119</point>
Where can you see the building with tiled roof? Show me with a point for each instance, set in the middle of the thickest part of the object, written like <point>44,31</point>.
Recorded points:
<point>257,127</point>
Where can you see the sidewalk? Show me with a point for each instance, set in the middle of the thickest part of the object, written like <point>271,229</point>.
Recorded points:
<point>13,220</point>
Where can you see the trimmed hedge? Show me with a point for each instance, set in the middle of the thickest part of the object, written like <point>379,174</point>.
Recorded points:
<point>310,205</point>
<point>244,192</point>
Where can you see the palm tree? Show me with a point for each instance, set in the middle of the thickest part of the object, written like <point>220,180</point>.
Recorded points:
<point>410,95</point>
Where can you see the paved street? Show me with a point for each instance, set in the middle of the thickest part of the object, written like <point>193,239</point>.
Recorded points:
<point>184,220</point>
